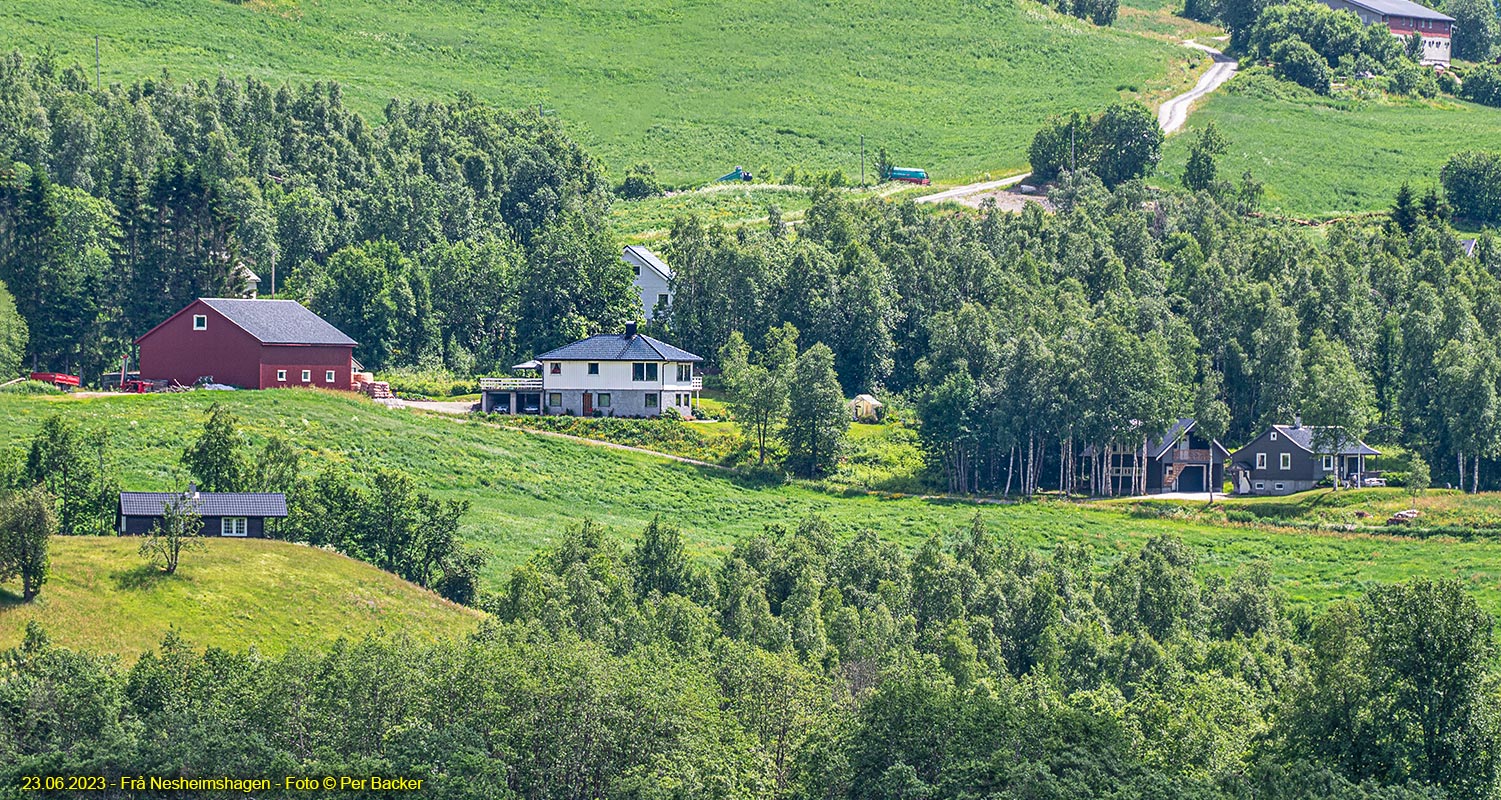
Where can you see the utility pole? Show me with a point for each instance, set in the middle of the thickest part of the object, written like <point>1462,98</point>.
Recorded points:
<point>1073,158</point>
<point>96,63</point>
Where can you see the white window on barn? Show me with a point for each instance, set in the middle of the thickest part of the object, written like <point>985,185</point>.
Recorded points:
<point>200,322</point>
<point>328,377</point>
<point>307,376</point>
<point>281,375</point>
<point>234,526</point>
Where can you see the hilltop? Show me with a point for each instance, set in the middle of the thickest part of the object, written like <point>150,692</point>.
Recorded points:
<point>273,596</point>
<point>526,490</point>
<point>693,88</point>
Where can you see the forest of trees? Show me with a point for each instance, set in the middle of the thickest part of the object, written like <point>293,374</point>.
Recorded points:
<point>803,666</point>
<point>449,235</point>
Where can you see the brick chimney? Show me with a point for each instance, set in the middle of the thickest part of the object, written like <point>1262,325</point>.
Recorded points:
<point>630,330</point>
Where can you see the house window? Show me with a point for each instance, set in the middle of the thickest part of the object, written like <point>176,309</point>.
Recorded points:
<point>1261,460</point>
<point>602,400</point>
<point>1260,486</point>
<point>594,369</point>
<point>1328,463</point>
<point>554,399</point>
<point>555,368</point>
<point>328,377</point>
<point>1274,436</point>
<point>1279,486</point>
<point>685,373</point>
<point>1286,461</point>
<point>662,301</point>
<point>307,376</point>
<point>646,371</point>
<point>281,376</point>
<point>200,322</point>
<point>651,399</point>
<point>636,271</point>
<point>234,526</point>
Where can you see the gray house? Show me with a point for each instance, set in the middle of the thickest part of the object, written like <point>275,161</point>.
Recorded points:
<point>234,514</point>
<point>653,280</point>
<point>610,375</point>
<point>1181,460</point>
<point>1287,459</point>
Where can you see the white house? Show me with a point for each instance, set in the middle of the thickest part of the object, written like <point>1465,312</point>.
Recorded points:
<point>610,375</point>
<point>653,279</point>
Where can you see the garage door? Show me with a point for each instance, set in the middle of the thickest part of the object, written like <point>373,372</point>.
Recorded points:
<point>1192,479</point>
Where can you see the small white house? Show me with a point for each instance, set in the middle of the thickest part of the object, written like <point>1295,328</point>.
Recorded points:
<point>653,280</point>
<point>610,375</point>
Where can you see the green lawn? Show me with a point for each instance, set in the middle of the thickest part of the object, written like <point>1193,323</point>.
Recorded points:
<point>694,87</point>
<point>1323,158</point>
<point>273,596</point>
<point>526,489</point>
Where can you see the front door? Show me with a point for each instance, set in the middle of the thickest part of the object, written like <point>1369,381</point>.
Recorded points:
<point>588,404</point>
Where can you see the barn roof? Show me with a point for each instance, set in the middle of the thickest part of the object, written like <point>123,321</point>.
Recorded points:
<point>273,321</point>
<point>1400,8</point>
<point>619,347</point>
<point>209,504</point>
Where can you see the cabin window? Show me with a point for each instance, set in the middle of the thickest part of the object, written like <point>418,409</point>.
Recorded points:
<point>685,373</point>
<point>1328,463</point>
<point>1274,436</point>
<point>636,271</point>
<point>602,400</point>
<point>1286,461</point>
<point>594,369</point>
<point>555,368</point>
<point>651,400</point>
<point>281,376</point>
<point>234,526</point>
<point>328,377</point>
<point>1260,486</point>
<point>1261,460</point>
<point>554,399</point>
<point>1279,486</point>
<point>200,322</point>
<point>644,371</point>
<point>307,376</point>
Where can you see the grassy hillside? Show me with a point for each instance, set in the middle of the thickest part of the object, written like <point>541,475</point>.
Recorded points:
<point>1321,157</point>
<point>694,87</point>
<point>235,594</point>
<point>527,489</point>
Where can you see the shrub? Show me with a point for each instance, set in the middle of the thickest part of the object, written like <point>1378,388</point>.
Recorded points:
<point>640,181</point>
<point>1296,61</point>
<point>31,387</point>
<point>1409,79</point>
<point>1483,85</point>
<point>1240,516</point>
<point>1472,183</point>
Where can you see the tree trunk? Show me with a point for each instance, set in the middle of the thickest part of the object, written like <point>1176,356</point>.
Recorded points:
<point>1461,472</point>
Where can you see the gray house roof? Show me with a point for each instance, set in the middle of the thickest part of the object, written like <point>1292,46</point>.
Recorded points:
<point>1400,8</point>
<point>638,256</point>
<point>1302,436</point>
<point>1156,448</point>
<point>278,321</point>
<point>618,347</point>
<point>209,504</point>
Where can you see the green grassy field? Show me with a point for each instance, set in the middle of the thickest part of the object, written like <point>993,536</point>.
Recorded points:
<point>234,594</point>
<point>693,87</point>
<point>527,489</point>
<point>1322,158</point>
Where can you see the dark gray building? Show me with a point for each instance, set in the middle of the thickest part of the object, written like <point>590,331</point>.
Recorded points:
<point>1290,458</point>
<point>234,514</point>
<point>1181,460</point>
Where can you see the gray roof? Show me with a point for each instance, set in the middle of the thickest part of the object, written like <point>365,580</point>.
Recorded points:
<point>640,256</point>
<point>1400,8</point>
<point>618,347</point>
<point>1302,436</point>
<point>278,321</point>
<point>1156,448</point>
<point>210,504</point>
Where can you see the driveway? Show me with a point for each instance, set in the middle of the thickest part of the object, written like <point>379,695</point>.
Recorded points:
<point>1174,113</point>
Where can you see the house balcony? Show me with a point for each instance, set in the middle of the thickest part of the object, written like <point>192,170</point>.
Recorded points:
<point>505,384</point>
<point>1192,456</point>
<point>698,382</point>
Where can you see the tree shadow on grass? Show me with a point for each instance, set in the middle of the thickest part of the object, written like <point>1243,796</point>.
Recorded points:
<point>144,576</point>
<point>9,600</point>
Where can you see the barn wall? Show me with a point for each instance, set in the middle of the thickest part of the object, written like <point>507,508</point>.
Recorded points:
<point>176,352</point>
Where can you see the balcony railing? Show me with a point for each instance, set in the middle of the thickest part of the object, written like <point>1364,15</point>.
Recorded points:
<point>510,384</point>
<point>698,381</point>
<point>1192,456</point>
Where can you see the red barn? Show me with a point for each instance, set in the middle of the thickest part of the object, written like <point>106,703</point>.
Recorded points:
<point>252,344</point>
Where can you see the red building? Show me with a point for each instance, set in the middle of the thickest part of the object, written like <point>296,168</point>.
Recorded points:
<point>252,344</point>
